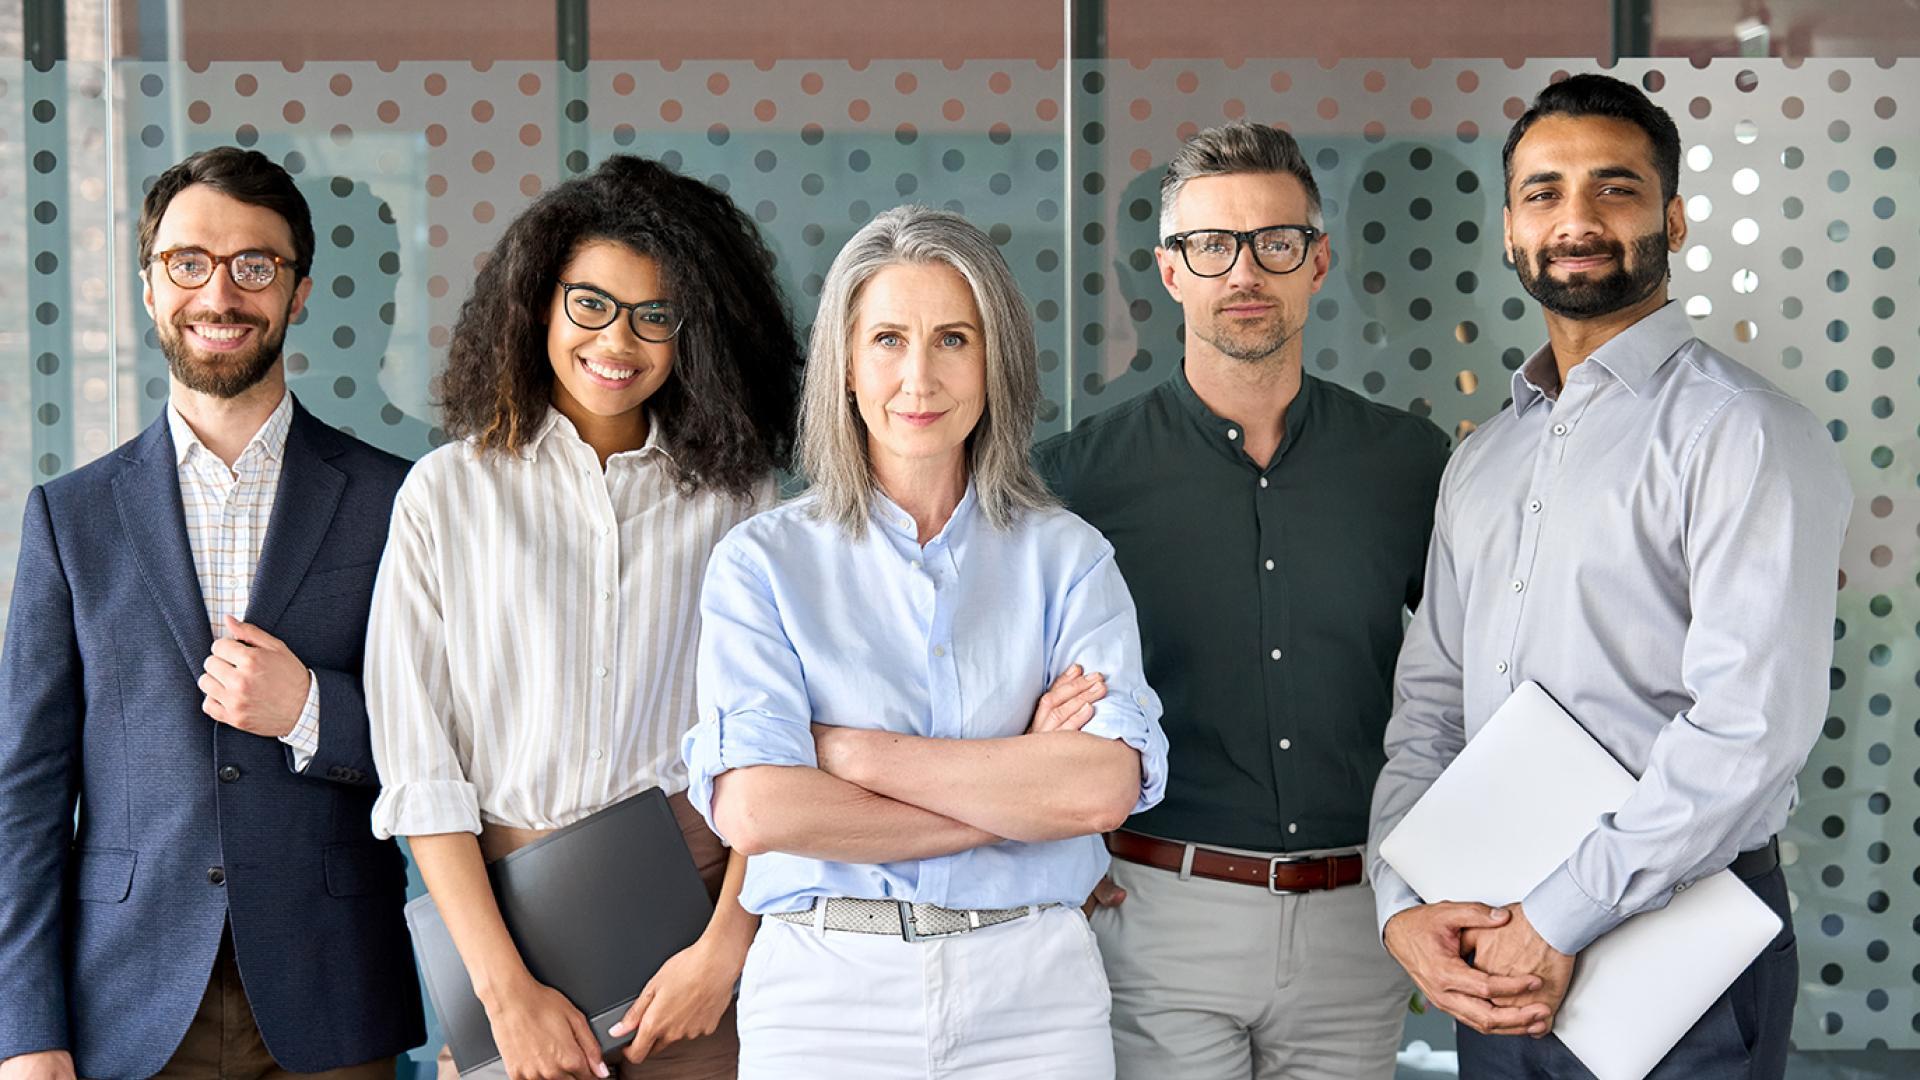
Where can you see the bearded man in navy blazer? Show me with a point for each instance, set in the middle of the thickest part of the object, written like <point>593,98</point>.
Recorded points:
<point>182,665</point>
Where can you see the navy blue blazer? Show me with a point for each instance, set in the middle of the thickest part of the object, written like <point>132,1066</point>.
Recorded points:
<point>108,927</point>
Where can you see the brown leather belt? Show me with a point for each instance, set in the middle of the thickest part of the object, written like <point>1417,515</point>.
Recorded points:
<point>1279,874</point>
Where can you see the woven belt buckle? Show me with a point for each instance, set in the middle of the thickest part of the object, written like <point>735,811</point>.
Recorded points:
<point>907,930</point>
<point>1273,871</point>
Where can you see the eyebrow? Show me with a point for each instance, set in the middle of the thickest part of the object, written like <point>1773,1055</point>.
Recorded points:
<point>897,327</point>
<point>1604,172</point>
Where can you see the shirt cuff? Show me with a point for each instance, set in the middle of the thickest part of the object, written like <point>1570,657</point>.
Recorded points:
<point>1565,916</point>
<point>1391,896</point>
<point>304,739</point>
<point>1138,727</point>
<point>426,808</point>
<point>738,741</point>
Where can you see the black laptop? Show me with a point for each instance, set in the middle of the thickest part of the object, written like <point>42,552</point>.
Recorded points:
<point>595,909</point>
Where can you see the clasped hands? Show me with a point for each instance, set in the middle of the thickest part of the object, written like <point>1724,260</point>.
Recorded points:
<point>1486,967</point>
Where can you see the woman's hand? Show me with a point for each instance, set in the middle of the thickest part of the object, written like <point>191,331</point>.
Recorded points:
<point>684,1000</point>
<point>1068,703</point>
<point>541,1036</point>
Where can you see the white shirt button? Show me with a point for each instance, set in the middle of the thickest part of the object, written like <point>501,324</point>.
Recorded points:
<point>605,529</point>
<point>595,754</point>
<point>600,671</point>
<point>1269,564</point>
<point>1140,700</point>
<point>1517,585</point>
<point>1263,481</point>
<point>606,594</point>
<point>1501,667</point>
<point>1233,433</point>
<point>939,650</point>
<point>1275,654</point>
<point>1286,744</point>
<point>1293,827</point>
<point>1534,506</point>
<point>915,564</point>
<point>1559,429</point>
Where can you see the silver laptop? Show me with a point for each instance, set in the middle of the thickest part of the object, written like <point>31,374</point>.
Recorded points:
<point>595,909</point>
<point>1636,990</point>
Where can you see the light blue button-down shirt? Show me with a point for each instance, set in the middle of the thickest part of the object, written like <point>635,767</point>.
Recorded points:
<point>802,623</point>
<point>1658,549</point>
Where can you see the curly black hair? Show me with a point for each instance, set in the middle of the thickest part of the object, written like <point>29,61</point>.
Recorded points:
<point>726,411</point>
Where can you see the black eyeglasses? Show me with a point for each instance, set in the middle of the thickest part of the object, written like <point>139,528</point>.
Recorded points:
<point>590,308</point>
<point>191,268</point>
<point>1279,249</point>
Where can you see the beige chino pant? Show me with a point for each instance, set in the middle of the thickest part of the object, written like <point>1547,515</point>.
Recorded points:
<point>1216,980</point>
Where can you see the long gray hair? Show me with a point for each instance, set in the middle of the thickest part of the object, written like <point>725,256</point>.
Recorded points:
<point>833,438</point>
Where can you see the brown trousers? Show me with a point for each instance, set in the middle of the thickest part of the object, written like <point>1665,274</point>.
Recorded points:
<point>223,1041</point>
<point>716,1057</point>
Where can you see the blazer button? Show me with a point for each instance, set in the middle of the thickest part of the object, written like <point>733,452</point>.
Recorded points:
<point>229,773</point>
<point>216,875</point>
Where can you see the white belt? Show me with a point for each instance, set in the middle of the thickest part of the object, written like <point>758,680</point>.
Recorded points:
<point>899,918</point>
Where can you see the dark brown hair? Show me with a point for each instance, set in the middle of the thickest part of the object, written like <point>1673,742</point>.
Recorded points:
<point>248,176</point>
<point>726,411</point>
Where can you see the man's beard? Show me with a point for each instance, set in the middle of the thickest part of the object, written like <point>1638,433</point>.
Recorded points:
<point>1248,343</point>
<point>221,375</point>
<point>1584,296</point>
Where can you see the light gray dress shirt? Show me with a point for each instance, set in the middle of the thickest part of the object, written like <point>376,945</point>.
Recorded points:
<point>1658,548</point>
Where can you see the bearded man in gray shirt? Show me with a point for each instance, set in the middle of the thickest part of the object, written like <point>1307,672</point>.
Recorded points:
<point>1651,532</point>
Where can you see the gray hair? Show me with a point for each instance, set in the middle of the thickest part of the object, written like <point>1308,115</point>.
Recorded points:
<point>833,438</point>
<point>1231,149</point>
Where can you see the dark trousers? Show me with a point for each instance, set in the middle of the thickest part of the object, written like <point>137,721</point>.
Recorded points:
<point>1743,1035</point>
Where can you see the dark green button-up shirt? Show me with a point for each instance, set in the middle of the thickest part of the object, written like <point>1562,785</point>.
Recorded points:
<point>1271,600</point>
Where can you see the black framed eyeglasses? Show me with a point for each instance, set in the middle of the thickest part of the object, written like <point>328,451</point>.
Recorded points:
<point>590,308</point>
<point>190,267</point>
<point>1279,249</point>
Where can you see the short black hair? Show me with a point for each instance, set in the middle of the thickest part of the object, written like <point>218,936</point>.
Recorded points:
<point>1590,94</point>
<point>247,176</point>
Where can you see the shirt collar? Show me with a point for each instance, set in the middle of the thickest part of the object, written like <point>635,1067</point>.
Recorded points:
<point>1226,434</point>
<point>556,424</point>
<point>889,515</point>
<point>1632,356</point>
<point>270,440</point>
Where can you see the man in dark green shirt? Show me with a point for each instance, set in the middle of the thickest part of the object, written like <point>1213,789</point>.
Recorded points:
<point>1272,529</point>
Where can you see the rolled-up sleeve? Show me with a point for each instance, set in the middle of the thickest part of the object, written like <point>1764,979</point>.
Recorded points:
<point>410,703</point>
<point>752,690</point>
<point>1099,629</point>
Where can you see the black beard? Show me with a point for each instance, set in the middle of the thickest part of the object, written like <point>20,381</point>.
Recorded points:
<point>230,375</point>
<point>1584,297</point>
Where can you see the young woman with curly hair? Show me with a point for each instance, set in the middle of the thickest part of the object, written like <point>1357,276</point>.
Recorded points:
<point>622,386</point>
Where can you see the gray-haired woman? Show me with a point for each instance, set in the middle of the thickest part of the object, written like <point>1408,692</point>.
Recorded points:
<point>869,661</point>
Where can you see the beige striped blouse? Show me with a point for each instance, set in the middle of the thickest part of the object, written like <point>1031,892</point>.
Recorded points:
<point>530,654</point>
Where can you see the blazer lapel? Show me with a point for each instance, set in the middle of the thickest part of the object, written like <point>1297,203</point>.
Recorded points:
<point>147,496</point>
<point>309,494</point>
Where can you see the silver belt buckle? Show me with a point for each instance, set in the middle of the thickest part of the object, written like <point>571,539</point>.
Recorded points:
<point>907,931</point>
<point>1273,869</point>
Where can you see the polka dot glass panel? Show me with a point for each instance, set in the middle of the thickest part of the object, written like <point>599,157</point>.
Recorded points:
<point>1801,261</point>
<point>56,393</point>
<point>414,170</point>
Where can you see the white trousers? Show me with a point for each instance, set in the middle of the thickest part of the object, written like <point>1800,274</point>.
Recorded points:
<point>1021,1000</point>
